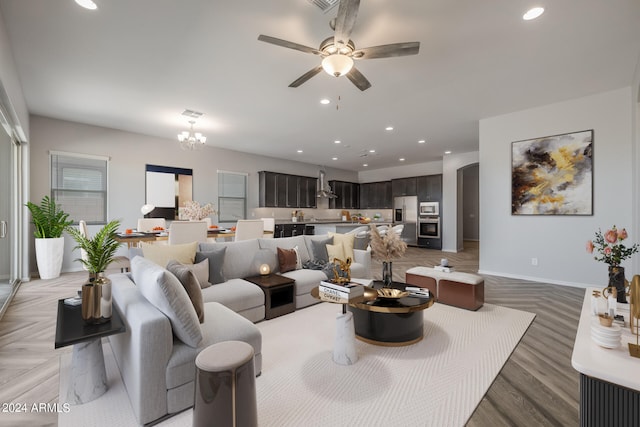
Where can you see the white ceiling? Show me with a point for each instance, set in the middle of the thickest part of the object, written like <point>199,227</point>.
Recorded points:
<point>136,65</point>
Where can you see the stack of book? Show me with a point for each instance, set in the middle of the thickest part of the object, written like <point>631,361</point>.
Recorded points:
<point>445,269</point>
<point>339,293</point>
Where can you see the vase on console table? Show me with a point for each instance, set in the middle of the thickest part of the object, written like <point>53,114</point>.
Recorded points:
<point>616,280</point>
<point>387,273</point>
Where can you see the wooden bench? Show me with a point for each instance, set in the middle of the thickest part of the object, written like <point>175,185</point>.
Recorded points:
<point>464,290</point>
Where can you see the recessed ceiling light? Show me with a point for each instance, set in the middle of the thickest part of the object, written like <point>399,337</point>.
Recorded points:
<point>422,141</point>
<point>365,165</point>
<point>325,101</point>
<point>337,141</point>
<point>87,4</point>
<point>389,128</point>
<point>533,13</point>
<point>299,151</point>
<point>401,159</point>
<point>334,158</point>
<point>372,151</point>
<point>447,152</point>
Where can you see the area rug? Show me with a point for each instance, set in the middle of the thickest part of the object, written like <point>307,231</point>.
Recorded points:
<point>436,382</point>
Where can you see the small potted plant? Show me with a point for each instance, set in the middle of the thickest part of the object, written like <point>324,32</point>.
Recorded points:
<point>99,252</point>
<point>49,222</point>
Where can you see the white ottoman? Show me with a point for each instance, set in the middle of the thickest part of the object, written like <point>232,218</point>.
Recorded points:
<point>464,290</point>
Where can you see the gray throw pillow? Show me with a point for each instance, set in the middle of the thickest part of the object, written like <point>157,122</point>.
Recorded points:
<point>190,283</point>
<point>163,290</point>
<point>319,248</point>
<point>216,260</point>
<point>201,271</point>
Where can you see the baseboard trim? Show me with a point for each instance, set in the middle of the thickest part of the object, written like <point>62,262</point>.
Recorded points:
<point>535,279</point>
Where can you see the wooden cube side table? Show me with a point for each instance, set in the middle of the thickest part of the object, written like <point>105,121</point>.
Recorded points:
<point>279,294</point>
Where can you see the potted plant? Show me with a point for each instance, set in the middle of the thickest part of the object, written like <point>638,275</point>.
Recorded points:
<point>49,222</point>
<point>98,253</point>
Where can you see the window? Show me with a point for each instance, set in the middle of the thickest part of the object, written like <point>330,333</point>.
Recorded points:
<point>232,196</point>
<point>79,186</point>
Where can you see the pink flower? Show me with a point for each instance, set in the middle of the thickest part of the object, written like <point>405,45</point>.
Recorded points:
<point>607,250</point>
<point>611,236</point>
<point>590,246</point>
<point>622,234</point>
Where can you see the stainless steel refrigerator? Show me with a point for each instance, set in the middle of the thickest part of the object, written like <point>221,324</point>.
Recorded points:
<point>405,211</point>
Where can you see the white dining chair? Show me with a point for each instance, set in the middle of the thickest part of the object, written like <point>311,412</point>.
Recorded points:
<point>269,227</point>
<point>249,229</point>
<point>187,232</point>
<point>147,224</point>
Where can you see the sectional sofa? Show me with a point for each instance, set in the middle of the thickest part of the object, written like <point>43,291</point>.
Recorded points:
<point>156,355</point>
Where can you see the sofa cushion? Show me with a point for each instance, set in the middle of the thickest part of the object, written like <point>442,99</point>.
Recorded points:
<point>336,251</point>
<point>215,258</point>
<point>288,243</point>
<point>164,291</point>
<point>347,240</point>
<point>319,249</point>
<point>190,283</point>
<point>287,260</point>
<point>238,260</point>
<point>237,294</point>
<point>162,254</point>
<point>201,271</point>
<point>305,279</point>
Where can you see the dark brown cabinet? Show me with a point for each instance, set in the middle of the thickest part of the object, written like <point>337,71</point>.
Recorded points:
<point>288,230</point>
<point>376,195</point>
<point>279,190</point>
<point>348,195</point>
<point>404,187</point>
<point>429,188</point>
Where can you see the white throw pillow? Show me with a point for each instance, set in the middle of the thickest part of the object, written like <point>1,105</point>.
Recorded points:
<point>166,293</point>
<point>162,254</point>
<point>336,251</point>
<point>298,259</point>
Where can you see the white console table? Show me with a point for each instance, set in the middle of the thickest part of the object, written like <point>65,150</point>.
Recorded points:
<point>609,378</point>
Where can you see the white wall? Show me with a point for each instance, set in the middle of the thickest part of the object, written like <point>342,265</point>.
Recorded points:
<point>11,83</point>
<point>507,243</point>
<point>129,153</point>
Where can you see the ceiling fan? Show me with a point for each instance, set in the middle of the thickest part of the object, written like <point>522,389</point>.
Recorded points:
<point>339,51</point>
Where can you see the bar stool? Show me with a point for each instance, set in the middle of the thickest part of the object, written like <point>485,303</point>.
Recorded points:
<point>225,386</point>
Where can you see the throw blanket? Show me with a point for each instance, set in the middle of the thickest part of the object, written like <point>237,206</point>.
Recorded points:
<point>316,264</point>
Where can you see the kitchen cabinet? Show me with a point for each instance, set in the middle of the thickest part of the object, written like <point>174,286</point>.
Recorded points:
<point>348,195</point>
<point>404,187</point>
<point>430,243</point>
<point>429,188</point>
<point>279,190</point>
<point>288,230</point>
<point>376,195</point>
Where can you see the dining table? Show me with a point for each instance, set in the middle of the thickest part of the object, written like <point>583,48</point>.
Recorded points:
<point>134,238</point>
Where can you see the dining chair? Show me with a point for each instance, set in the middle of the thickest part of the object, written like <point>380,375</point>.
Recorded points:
<point>147,224</point>
<point>382,229</point>
<point>249,229</point>
<point>398,229</point>
<point>269,227</point>
<point>121,261</point>
<point>187,232</point>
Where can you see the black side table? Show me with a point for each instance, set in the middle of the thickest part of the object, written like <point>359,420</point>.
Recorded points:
<point>88,374</point>
<point>279,293</point>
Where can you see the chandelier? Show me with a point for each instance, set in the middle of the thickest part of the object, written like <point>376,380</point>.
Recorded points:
<point>190,140</point>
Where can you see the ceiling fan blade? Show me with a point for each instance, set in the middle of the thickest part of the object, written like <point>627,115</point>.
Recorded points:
<point>387,50</point>
<point>358,79</point>
<point>345,21</point>
<point>306,76</point>
<point>288,44</point>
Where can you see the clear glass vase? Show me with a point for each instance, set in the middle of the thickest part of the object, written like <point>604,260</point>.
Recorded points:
<point>387,273</point>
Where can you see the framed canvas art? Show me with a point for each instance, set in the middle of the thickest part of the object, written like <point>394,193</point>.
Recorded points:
<point>553,175</point>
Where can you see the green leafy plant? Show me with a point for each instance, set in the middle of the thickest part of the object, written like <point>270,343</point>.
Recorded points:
<point>101,249</point>
<point>49,220</point>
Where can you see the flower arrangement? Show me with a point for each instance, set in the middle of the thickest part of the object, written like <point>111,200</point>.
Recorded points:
<point>194,212</point>
<point>388,247</point>
<point>610,248</point>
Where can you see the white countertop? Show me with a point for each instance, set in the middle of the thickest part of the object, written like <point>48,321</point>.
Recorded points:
<point>612,365</point>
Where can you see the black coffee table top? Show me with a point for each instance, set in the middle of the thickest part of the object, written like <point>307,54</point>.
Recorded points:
<point>406,304</point>
<point>71,328</point>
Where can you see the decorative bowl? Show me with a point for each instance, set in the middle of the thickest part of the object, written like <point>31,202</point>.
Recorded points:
<point>605,319</point>
<point>388,293</point>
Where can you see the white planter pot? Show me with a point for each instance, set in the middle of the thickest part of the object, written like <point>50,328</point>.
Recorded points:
<point>49,254</point>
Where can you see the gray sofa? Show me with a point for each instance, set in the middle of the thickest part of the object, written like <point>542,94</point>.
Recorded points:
<point>158,368</point>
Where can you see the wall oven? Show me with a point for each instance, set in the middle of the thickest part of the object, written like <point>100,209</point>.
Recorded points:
<point>429,227</point>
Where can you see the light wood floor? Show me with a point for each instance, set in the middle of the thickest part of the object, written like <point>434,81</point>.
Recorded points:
<point>536,387</point>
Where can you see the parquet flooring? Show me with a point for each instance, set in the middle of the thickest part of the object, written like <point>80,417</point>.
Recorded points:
<point>536,387</point>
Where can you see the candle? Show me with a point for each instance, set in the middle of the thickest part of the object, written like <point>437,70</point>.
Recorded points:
<point>264,269</point>
<point>594,305</point>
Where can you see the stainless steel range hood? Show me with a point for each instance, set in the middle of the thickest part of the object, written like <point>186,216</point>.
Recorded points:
<point>325,191</point>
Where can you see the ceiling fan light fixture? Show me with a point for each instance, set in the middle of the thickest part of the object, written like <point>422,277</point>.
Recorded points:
<point>337,65</point>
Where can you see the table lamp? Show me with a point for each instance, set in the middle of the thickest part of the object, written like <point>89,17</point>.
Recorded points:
<point>146,209</point>
<point>265,269</point>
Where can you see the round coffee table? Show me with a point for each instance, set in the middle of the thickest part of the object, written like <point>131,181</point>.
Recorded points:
<point>390,322</point>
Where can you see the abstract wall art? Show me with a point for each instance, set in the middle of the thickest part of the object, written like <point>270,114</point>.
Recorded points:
<point>553,175</point>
